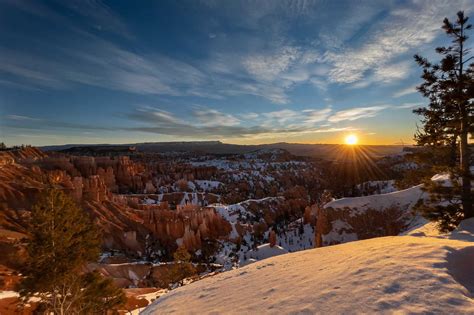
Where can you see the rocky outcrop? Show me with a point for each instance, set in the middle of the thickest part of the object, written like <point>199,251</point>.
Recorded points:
<point>335,226</point>
<point>358,218</point>
<point>188,226</point>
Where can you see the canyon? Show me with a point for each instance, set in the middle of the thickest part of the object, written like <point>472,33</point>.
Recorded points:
<point>223,208</point>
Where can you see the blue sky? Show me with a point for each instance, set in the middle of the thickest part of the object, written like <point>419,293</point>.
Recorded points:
<point>239,71</point>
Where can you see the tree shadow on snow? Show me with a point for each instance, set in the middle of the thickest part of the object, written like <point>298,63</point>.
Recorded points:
<point>460,264</point>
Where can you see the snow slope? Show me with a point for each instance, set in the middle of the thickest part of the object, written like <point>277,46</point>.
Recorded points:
<point>351,219</point>
<point>403,199</point>
<point>406,274</point>
<point>265,251</point>
<point>296,236</point>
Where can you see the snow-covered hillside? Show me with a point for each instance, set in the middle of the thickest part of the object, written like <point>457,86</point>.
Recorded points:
<point>404,274</point>
<point>296,235</point>
<point>263,252</point>
<point>403,199</point>
<point>350,219</point>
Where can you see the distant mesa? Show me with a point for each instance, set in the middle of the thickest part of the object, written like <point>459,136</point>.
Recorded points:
<point>217,147</point>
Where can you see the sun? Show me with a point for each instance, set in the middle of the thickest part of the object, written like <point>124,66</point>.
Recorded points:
<point>351,140</point>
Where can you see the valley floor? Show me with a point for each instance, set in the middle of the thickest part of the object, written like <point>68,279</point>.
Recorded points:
<point>418,273</point>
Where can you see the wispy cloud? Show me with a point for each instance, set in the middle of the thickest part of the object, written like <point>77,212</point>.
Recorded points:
<point>95,14</point>
<point>406,91</point>
<point>249,116</point>
<point>268,67</point>
<point>409,105</point>
<point>207,122</point>
<point>282,116</point>
<point>406,28</point>
<point>315,116</point>
<point>211,117</point>
<point>269,57</point>
<point>22,118</point>
<point>103,64</point>
<point>357,113</point>
<point>36,123</point>
<point>393,72</point>
<point>99,15</point>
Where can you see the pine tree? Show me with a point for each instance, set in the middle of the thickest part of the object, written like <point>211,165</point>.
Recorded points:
<point>449,86</point>
<point>99,294</point>
<point>61,241</point>
<point>182,267</point>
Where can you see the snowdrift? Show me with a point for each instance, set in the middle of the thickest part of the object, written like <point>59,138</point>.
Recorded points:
<point>350,219</point>
<point>404,199</point>
<point>406,274</point>
<point>266,251</point>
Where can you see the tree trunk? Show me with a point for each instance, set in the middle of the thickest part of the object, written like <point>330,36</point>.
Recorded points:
<point>465,170</point>
<point>453,148</point>
<point>464,145</point>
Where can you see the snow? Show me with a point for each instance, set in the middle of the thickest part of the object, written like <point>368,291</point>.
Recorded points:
<point>445,179</point>
<point>8,294</point>
<point>402,274</point>
<point>191,186</point>
<point>378,186</point>
<point>265,251</point>
<point>403,199</point>
<point>338,233</point>
<point>292,241</point>
<point>208,185</point>
<point>232,212</point>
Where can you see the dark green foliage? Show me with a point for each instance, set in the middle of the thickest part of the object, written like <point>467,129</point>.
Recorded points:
<point>99,294</point>
<point>448,120</point>
<point>62,240</point>
<point>444,205</point>
<point>430,160</point>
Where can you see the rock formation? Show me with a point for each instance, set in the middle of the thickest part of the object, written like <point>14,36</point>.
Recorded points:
<point>335,226</point>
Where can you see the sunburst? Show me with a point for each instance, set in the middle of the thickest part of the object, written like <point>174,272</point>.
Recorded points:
<point>351,139</point>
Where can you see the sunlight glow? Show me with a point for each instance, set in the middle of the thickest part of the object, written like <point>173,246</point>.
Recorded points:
<point>351,139</point>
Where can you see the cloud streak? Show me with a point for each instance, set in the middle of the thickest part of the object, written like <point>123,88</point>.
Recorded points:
<point>270,67</point>
<point>207,122</point>
<point>357,113</point>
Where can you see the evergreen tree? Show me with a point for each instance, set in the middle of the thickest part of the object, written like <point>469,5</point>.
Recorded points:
<point>99,294</point>
<point>182,267</point>
<point>62,240</point>
<point>449,86</point>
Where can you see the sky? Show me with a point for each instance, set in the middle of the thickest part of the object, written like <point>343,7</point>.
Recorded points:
<point>242,72</point>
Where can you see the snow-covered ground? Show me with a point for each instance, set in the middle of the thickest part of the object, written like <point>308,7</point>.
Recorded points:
<point>377,187</point>
<point>425,273</point>
<point>234,213</point>
<point>293,241</point>
<point>403,199</point>
<point>297,236</point>
<point>8,294</point>
<point>265,251</point>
